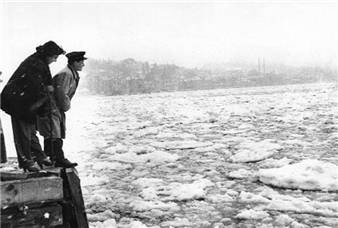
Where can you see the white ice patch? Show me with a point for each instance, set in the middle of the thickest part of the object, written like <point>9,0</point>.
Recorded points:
<point>308,175</point>
<point>251,151</point>
<point>213,148</point>
<point>274,163</point>
<point>148,182</point>
<point>171,135</point>
<point>297,142</point>
<point>110,166</point>
<point>194,190</point>
<point>154,157</point>
<point>96,198</point>
<point>284,220</point>
<point>216,198</point>
<point>147,131</point>
<point>249,197</point>
<point>240,174</point>
<point>93,180</point>
<point>252,214</point>
<point>110,223</point>
<point>118,148</point>
<point>137,224</point>
<point>273,201</point>
<point>188,144</point>
<point>142,149</point>
<point>107,215</point>
<point>142,205</point>
<point>178,222</point>
<point>174,191</point>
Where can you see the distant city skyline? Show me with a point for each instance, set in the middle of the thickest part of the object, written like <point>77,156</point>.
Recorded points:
<point>189,34</point>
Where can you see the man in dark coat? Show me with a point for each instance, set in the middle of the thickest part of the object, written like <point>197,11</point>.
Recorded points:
<point>65,83</point>
<point>3,157</point>
<point>24,97</point>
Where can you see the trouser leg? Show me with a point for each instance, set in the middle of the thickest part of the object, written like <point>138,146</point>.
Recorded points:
<point>22,132</point>
<point>60,160</point>
<point>36,147</point>
<point>50,148</point>
<point>58,143</point>
<point>3,148</point>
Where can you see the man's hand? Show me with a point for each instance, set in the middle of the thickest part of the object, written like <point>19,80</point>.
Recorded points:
<point>50,89</point>
<point>38,104</point>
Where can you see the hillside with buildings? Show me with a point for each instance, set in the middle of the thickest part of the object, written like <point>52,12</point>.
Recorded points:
<point>133,77</point>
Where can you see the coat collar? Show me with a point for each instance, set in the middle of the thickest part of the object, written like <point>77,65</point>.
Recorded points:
<point>75,73</point>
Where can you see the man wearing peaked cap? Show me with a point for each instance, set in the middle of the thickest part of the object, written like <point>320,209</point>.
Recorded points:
<point>65,83</point>
<point>76,56</point>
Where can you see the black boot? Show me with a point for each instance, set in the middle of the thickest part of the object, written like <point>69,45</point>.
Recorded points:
<point>44,162</point>
<point>49,149</point>
<point>60,160</point>
<point>30,166</point>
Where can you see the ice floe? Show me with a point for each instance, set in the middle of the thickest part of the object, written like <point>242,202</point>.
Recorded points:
<point>308,175</point>
<point>270,200</point>
<point>186,144</point>
<point>251,151</point>
<point>240,174</point>
<point>155,157</point>
<point>155,189</point>
<point>252,214</point>
<point>142,205</point>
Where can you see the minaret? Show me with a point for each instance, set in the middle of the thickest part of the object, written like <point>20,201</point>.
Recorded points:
<point>259,65</point>
<point>263,66</point>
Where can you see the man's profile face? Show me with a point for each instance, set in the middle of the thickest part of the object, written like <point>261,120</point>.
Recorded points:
<point>78,65</point>
<point>51,59</point>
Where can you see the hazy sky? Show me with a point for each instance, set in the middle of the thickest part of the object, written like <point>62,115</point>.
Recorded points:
<point>187,34</point>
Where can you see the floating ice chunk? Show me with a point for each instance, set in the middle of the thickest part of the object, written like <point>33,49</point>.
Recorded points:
<point>168,135</point>
<point>142,205</point>
<point>297,142</point>
<point>102,216</point>
<point>240,174</point>
<point>110,223</point>
<point>148,182</point>
<point>175,191</point>
<point>118,148</point>
<point>137,224</point>
<point>255,151</point>
<point>178,222</point>
<point>216,198</point>
<point>160,157</point>
<point>93,180</point>
<point>283,220</point>
<point>308,175</point>
<point>273,201</point>
<point>252,214</point>
<point>252,198</point>
<point>187,144</point>
<point>274,163</point>
<point>154,157</point>
<point>147,131</point>
<point>246,126</point>
<point>149,193</point>
<point>110,166</point>
<point>194,190</point>
<point>142,149</point>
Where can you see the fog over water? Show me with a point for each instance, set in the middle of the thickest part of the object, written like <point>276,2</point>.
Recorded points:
<point>189,34</point>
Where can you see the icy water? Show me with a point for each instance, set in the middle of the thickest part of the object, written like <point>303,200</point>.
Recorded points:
<point>164,160</point>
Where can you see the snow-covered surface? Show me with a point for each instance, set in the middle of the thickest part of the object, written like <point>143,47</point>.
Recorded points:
<point>192,159</point>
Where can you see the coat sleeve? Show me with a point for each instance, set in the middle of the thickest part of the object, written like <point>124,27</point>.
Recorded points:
<point>62,85</point>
